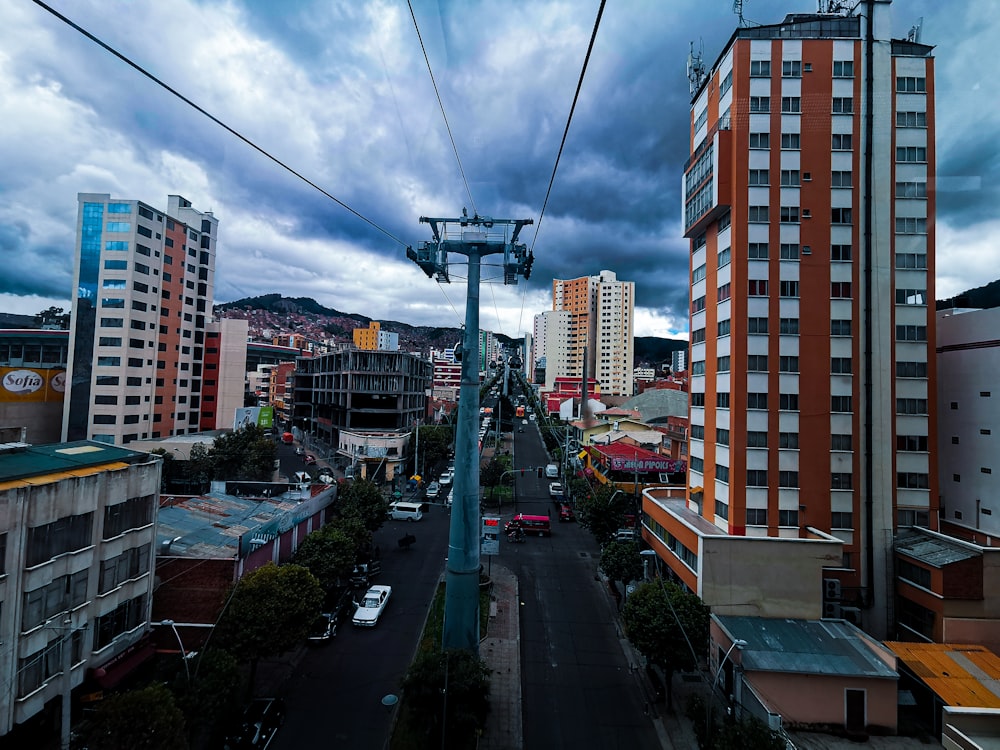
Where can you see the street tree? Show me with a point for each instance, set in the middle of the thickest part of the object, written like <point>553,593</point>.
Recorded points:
<point>463,691</point>
<point>435,445</point>
<point>621,561</point>
<point>363,499</point>
<point>329,554</point>
<point>145,719</point>
<point>211,691</point>
<point>245,454</point>
<point>668,625</point>
<point>270,611</point>
<point>602,512</point>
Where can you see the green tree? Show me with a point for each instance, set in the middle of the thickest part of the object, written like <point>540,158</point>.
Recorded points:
<point>668,626</point>
<point>212,691</point>
<point>269,612</point>
<point>329,554</point>
<point>435,445</point>
<point>362,498</point>
<point>244,454</point>
<point>621,561</point>
<point>602,512</point>
<point>146,719</point>
<point>468,689</point>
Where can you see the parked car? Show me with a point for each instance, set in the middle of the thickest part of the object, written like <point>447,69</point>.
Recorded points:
<point>372,606</point>
<point>433,490</point>
<point>322,630</point>
<point>259,723</point>
<point>566,513</point>
<point>363,573</point>
<point>341,604</point>
<point>445,479</point>
<point>626,535</point>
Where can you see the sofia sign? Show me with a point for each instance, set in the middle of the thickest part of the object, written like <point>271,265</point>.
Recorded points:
<point>22,382</point>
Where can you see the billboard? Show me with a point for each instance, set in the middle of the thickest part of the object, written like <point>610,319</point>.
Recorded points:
<point>490,540</point>
<point>26,384</point>
<point>262,416</point>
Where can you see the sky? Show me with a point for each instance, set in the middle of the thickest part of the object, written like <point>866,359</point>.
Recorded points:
<point>340,92</point>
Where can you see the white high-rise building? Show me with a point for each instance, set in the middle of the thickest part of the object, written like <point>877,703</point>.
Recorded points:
<point>552,342</point>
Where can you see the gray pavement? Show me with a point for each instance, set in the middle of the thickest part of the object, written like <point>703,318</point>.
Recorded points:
<point>501,650</point>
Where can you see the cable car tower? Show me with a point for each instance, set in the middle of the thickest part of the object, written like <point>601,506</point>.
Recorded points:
<point>473,237</point>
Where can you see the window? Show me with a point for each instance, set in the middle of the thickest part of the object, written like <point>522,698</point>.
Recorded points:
<point>722,400</point>
<point>840,327</point>
<point>724,257</point>
<point>788,518</point>
<point>840,178</point>
<point>911,154</point>
<point>911,119</point>
<point>790,178</point>
<point>723,327</point>
<point>60,595</point>
<point>101,400</point>
<point>840,216</point>
<point>722,364</point>
<point>127,616</point>
<point>788,289</point>
<point>701,119</point>
<point>756,516</point>
<point>840,365</point>
<point>132,563</point>
<point>759,177</point>
<point>760,68</point>
<point>698,432</point>
<point>760,140</point>
<point>107,380</point>
<point>721,508</point>
<point>722,436</point>
<point>912,480</point>
<point>697,463</point>
<point>910,225</point>
<point>911,406</point>
<point>843,105</point>
<point>760,104</point>
<point>757,287</point>
<point>698,274</point>
<point>791,68</point>
<point>790,141</point>
<point>727,83</point>
<point>841,481</point>
<point>788,326</point>
<point>697,335</point>
<point>788,402</point>
<point>756,439</point>
<point>109,361</point>
<point>756,400</point>
<point>724,292</point>
<point>58,537</point>
<point>757,250</point>
<point>789,215</point>
<point>722,473</point>
<point>911,333</point>
<point>789,440</point>
<point>756,478</point>
<point>841,520</point>
<point>757,363</point>
<point>788,363</point>
<point>109,341</point>
<point>911,189</point>
<point>112,322</point>
<point>115,302</point>
<point>757,214</point>
<point>840,404</point>
<point>911,443</point>
<point>843,69</point>
<point>698,399</point>
<point>840,253</point>
<point>697,305</point>
<point>791,104</point>
<point>840,290</point>
<point>911,296</point>
<point>911,84</point>
<point>788,479</point>
<point>118,226</point>
<point>757,325</point>
<point>842,142</point>
<point>840,442</point>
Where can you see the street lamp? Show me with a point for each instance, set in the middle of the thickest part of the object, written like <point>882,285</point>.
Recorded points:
<point>737,643</point>
<point>185,656</point>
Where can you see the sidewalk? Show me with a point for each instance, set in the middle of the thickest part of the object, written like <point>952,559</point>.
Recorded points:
<point>501,650</point>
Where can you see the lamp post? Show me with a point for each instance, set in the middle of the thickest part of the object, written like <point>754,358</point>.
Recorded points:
<point>737,643</point>
<point>184,654</point>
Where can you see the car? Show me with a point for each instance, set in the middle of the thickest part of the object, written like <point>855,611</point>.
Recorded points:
<point>364,572</point>
<point>555,489</point>
<point>566,513</point>
<point>445,479</point>
<point>341,605</point>
<point>372,606</point>
<point>524,421</point>
<point>433,490</point>
<point>322,629</point>
<point>627,535</point>
<point>260,721</point>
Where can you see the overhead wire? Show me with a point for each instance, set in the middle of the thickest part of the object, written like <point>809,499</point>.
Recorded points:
<point>213,118</point>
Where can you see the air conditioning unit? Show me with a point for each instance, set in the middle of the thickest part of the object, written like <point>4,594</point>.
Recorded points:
<point>831,589</point>
<point>831,611</point>
<point>852,615</point>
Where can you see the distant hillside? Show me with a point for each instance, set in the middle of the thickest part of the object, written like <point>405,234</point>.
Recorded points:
<point>983,297</point>
<point>653,350</point>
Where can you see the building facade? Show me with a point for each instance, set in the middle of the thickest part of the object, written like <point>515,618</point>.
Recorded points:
<point>809,203</point>
<point>601,312</point>
<point>32,384</point>
<point>373,338</point>
<point>144,282</point>
<point>77,525</point>
<point>552,344</point>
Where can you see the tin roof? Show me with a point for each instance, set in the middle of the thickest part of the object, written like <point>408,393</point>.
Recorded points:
<point>819,647</point>
<point>31,464</point>
<point>959,674</point>
<point>933,549</point>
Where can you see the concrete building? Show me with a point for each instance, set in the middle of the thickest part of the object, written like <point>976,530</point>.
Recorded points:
<point>373,338</point>
<point>77,527</point>
<point>32,384</point>
<point>968,359</point>
<point>679,360</point>
<point>814,417</point>
<point>601,320</point>
<point>139,359</point>
<point>552,330</point>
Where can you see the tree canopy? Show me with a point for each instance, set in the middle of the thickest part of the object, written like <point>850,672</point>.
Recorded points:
<point>621,561</point>
<point>602,511</point>
<point>145,719</point>
<point>243,455</point>
<point>363,499</point>
<point>329,554</point>
<point>468,687</point>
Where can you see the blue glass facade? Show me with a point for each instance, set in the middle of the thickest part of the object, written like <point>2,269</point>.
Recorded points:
<point>85,321</point>
<point>90,250</point>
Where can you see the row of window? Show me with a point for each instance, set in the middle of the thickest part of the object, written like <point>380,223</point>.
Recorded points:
<point>792,105</point>
<point>790,441</point>
<point>794,68</point>
<point>794,214</point>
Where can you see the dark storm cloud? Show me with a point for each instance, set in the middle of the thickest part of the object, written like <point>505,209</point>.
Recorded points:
<point>31,268</point>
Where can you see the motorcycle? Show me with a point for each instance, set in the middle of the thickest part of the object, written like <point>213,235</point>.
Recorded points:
<point>516,536</point>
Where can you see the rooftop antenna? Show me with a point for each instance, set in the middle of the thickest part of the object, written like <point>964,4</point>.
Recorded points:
<point>696,68</point>
<point>738,10</point>
<point>913,35</point>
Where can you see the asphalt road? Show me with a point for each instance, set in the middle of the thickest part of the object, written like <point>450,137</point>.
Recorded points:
<point>577,687</point>
<point>335,697</point>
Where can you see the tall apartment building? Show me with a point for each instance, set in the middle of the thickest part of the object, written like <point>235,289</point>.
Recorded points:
<point>809,203</point>
<point>141,315</point>
<point>601,318</point>
<point>552,341</point>
<point>373,338</point>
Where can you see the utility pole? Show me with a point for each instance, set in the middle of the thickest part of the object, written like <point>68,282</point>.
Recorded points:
<point>474,239</point>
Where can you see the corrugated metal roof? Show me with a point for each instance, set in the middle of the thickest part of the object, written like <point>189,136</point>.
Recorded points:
<point>932,550</point>
<point>656,404</point>
<point>821,647</point>
<point>36,462</point>
<point>959,674</point>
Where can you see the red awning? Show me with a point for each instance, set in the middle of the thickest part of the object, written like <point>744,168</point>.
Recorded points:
<point>117,669</point>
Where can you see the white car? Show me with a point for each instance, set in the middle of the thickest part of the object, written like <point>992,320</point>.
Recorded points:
<point>433,489</point>
<point>445,479</point>
<point>372,606</point>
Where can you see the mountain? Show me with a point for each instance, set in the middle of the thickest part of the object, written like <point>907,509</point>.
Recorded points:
<point>983,297</point>
<point>653,350</point>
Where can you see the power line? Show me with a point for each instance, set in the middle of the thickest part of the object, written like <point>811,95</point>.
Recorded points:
<point>213,118</point>
<point>576,96</point>
<point>437,93</point>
